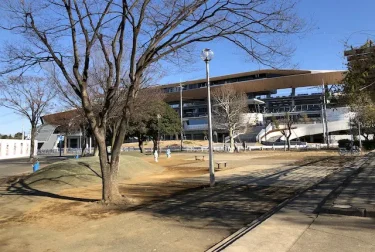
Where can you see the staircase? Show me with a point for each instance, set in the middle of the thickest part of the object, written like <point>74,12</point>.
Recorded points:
<point>250,134</point>
<point>263,132</point>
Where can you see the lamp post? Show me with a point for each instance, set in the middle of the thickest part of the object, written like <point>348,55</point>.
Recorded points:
<point>158,116</point>
<point>206,56</point>
<point>182,123</point>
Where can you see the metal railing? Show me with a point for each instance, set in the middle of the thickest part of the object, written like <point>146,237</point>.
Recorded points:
<point>193,149</point>
<point>196,127</point>
<point>76,151</point>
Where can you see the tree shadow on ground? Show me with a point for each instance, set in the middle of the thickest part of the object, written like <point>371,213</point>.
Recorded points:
<point>23,189</point>
<point>91,169</point>
<point>231,204</point>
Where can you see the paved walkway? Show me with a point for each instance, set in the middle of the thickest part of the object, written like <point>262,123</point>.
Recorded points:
<point>297,227</point>
<point>356,197</point>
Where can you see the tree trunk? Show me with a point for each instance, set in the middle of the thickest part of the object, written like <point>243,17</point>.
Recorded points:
<point>155,141</point>
<point>110,192</point>
<point>231,139</point>
<point>83,146</point>
<point>288,138</point>
<point>140,144</point>
<point>32,143</point>
<point>113,136</point>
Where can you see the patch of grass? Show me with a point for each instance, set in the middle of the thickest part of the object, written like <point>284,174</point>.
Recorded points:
<point>85,171</point>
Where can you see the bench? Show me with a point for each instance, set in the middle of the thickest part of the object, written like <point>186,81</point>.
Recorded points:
<point>221,162</point>
<point>198,158</point>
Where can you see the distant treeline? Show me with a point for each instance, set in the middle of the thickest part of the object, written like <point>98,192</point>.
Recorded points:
<point>15,136</point>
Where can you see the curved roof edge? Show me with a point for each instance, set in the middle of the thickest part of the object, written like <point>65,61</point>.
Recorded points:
<point>284,72</point>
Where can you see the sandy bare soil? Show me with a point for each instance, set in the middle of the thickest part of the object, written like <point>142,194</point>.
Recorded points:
<point>169,212</point>
<point>176,143</point>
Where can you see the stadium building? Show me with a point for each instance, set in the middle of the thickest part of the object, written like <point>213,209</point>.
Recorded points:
<point>270,93</point>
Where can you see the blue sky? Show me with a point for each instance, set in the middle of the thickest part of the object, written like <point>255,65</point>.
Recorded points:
<point>335,21</point>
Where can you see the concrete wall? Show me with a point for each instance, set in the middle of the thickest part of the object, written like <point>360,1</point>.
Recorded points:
<point>11,148</point>
<point>338,120</point>
<point>311,129</point>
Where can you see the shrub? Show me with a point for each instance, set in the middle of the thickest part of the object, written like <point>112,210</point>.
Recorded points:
<point>343,143</point>
<point>368,144</point>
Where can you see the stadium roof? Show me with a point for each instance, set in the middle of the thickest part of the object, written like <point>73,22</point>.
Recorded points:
<point>280,79</point>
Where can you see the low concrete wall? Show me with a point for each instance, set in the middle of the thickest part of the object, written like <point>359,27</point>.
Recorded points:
<point>11,148</point>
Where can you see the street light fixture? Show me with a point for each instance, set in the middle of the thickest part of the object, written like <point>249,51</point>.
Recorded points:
<point>206,56</point>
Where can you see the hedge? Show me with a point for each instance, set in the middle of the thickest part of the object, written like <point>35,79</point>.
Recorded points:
<point>366,144</point>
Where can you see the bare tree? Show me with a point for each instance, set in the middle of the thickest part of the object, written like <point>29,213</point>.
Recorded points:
<point>229,106</point>
<point>286,126</point>
<point>133,36</point>
<point>28,96</point>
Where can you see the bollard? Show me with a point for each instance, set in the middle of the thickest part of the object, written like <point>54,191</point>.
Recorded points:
<point>77,156</point>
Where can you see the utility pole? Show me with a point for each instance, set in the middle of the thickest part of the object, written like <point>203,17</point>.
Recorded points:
<point>325,122</point>
<point>60,142</point>
<point>23,134</point>
<point>182,123</point>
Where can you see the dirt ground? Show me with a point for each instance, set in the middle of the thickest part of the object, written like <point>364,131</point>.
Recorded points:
<point>149,144</point>
<point>71,219</point>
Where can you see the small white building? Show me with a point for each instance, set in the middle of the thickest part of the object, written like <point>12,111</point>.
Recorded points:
<point>13,148</point>
<point>65,129</point>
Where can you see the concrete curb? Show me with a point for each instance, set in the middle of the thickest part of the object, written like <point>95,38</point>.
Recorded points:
<point>241,232</point>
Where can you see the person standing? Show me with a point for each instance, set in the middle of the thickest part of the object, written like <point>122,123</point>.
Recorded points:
<point>235,148</point>
<point>156,155</point>
<point>168,153</point>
